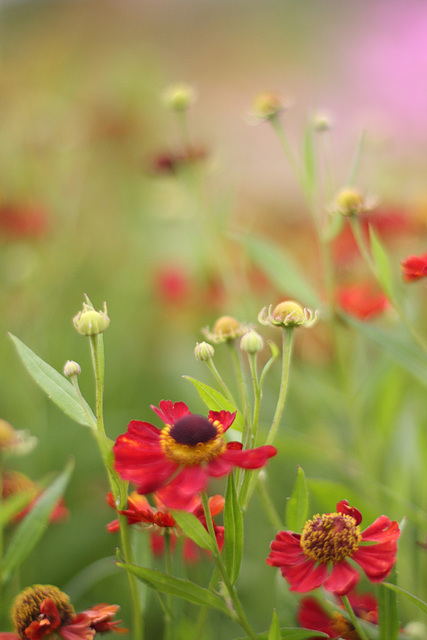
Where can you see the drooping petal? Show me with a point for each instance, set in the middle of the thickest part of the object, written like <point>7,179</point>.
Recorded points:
<point>170,412</point>
<point>305,576</point>
<point>149,477</point>
<point>249,458</point>
<point>179,494</point>
<point>312,616</point>
<point>383,528</point>
<point>376,560</point>
<point>79,629</point>
<point>286,550</point>
<point>343,506</point>
<point>342,578</point>
<point>144,431</point>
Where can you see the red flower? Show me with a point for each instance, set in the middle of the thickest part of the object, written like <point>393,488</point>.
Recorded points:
<point>312,616</point>
<point>414,267</point>
<point>22,221</point>
<point>101,618</point>
<point>362,301</point>
<point>140,511</point>
<point>172,285</point>
<point>178,460</point>
<point>14,482</point>
<point>330,539</point>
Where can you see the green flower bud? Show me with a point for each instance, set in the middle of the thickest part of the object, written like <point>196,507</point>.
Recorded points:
<point>251,342</point>
<point>179,97</point>
<point>71,368</point>
<point>266,106</point>
<point>287,314</point>
<point>89,322</point>
<point>204,351</point>
<point>226,328</point>
<point>8,435</point>
<point>349,202</point>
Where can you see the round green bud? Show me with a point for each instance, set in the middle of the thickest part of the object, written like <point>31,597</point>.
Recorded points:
<point>204,351</point>
<point>89,322</point>
<point>349,202</point>
<point>71,368</point>
<point>289,313</point>
<point>179,97</point>
<point>251,342</point>
<point>266,106</point>
<point>227,327</point>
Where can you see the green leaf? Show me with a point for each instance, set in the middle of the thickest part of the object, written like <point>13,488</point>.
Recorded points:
<point>35,523</point>
<point>233,531</point>
<point>194,529</point>
<point>215,401</point>
<point>13,505</point>
<point>274,633</point>
<point>290,633</point>
<point>416,601</point>
<point>177,587</point>
<point>388,612</point>
<point>398,345</point>
<point>382,263</point>
<point>280,268</point>
<point>297,505</point>
<point>57,388</point>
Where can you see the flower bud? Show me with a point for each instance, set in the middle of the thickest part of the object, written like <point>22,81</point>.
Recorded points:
<point>251,342</point>
<point>266,106</point>
<point>71,368</point>
<point>225,329</point>
<point>89,322</point>
<point>322,122</point>
<point>204,351</point>
<point>179,97</point>
<point>349,202</point>
<point>8,435</point>
<point>287,314</point>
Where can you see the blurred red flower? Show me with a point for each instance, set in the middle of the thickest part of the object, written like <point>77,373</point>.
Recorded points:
<point>364,300</point>
<point>414,267</point>
<point>172,285</point>
<point>178,460</point>
<point>328,540</point>
<point>14,482</point>
<point>312,616</point>
<point>22,221</point>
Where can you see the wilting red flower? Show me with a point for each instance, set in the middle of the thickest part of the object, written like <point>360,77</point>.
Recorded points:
<point>14,482</point>
<point>312,616</point>
<point>414,267</point>
<point>22,221</point>
<point>178,460</point>
<point>140,511</point>
<point>363,301</point>
<point>42,610</point>
<point>328,540</point>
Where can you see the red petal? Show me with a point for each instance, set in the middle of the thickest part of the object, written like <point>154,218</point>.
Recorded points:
<point>382,529</point>
<point>312,616</point>
<point>249,458</point>
<point>179,494</point>
<point>342,579</point>
<point>344,507</point>
<point>376,560</point>
<point>224,417</point>
<point>170,412</point>
<point>305,576</point>
<point>79,629</point>
<point>9,636</point>
<point>219,467</point>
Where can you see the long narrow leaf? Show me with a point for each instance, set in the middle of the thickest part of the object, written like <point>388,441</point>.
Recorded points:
<point>57,388</point>
<point>233,531</point>
<point>290,633</point>
<point>382,263</point>
<point>13,505</point>
<point>297,504</point>
<point>194,529</point>
<point>280,268</point>
<point>388,613</point>
<point>177,587</point>
<point>417,601</point>
<point>215,401</point>
<point>274,632</point>
<point>31,529</point>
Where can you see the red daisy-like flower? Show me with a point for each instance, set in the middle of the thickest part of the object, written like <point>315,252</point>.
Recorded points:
<point>318,556</point>
<point>362,301</point>
<point>312,616</point>
<point>140,511</point>
<point>178,460</point>
<point>414,267</point>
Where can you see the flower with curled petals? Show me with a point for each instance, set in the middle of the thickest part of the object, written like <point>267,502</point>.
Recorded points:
<point>318,556</point>
<point>178,460</point>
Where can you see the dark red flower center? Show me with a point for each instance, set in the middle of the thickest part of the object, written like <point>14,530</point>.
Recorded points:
<point>330,537</point>
<point>193,429</point>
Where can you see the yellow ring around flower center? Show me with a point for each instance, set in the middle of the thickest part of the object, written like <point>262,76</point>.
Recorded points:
<point>330,537</point>
<point>192,455</point>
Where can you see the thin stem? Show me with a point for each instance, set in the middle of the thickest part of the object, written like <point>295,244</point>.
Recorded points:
<point>354,619</point>
<point>221,382</point>
<point>74,381</point>
<point>242,389</point>
<point>240,614</point>
<point>268,504</point>
<point>257,399</point>
<point>280,132</point>
<point>169,627</point>
<point>287,337</point>
<point>97,350</point>
<point>203,614</point>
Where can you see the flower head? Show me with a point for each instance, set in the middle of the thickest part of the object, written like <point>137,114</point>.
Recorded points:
<point>312,616</point>
<point>177,461</point>
<point>414,267</point>
<point>89,322</point>
<point>318,556</point>
<point>267,105</point>
<point>225,329</point>
<point>363,301</point>
<point>179,96</point>
<point>287,314</point>
<point>349,202</point>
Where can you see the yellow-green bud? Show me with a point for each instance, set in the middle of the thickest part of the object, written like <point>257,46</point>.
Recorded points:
<point>227,327</point>
<point>89,322</point>
<point>266,106</point>
<point>416,630</point>
<point>251,342</point>
<point>322,122</point>
<point>289,313</point>
<point>179,97</point>
<point>349,201</point>
<point>204,351</point>
<point>71,368</point>
<point>8,435</point>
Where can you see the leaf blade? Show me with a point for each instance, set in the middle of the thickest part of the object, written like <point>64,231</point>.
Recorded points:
<point>297,504</point>
<point>233,531</point>
<point>216,401</point>
<point>194,529</point>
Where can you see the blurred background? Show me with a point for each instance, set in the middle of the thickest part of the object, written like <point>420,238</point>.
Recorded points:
<point>97,197</point>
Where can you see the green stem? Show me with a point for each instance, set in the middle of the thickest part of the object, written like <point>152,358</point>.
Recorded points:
<point>287,337</point>
<point>240,614</point>
<point>203,614</point>
<point>118,487</point>
<point>74,381</point>
<point>268,504</point>
<point>257,399</point>
<point>280,132</point>
<point>1,537</point>
<point>354,619</point>
<point>169,627</point>
<point>242,389</point>
<point>221,382</point>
